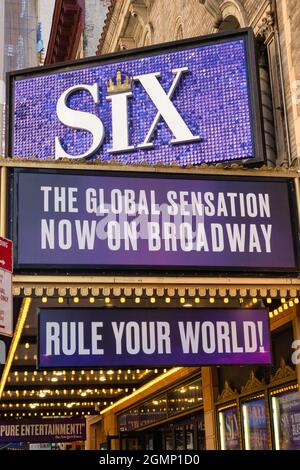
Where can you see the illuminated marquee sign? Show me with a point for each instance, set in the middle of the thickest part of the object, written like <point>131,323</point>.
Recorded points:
<point>121,221</point>
<point>148,337</point>
<point>43,430</point>
<point>187,102</point>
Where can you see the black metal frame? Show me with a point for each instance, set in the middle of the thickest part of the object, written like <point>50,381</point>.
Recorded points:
<point>253,79</point>
<point>173,270</point>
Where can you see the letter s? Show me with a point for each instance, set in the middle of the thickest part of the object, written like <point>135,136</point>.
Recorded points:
<point>79,120</point>
<point>296,354</point>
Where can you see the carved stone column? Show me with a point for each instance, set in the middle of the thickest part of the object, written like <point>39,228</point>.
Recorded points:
<point>271,91</point>
<point>267,103</point>
<point>296,334</point>
<point>209,388</point>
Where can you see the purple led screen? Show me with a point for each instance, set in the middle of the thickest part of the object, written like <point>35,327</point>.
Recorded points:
<point>119,222</point>
<point>212,97</point>
<point>43,430</point>
<point>145,337</point>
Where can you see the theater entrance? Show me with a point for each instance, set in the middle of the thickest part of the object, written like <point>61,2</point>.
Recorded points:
<point>182,434</point>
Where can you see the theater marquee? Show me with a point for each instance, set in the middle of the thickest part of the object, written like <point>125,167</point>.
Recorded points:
<point>187,102</point>
<point>152,337</point>
<point>123,221</point>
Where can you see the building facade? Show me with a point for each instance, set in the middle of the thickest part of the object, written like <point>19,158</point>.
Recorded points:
<point>183,408</point>
<point>133,24</point>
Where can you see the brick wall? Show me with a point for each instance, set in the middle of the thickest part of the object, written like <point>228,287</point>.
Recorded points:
<point>167,16</point>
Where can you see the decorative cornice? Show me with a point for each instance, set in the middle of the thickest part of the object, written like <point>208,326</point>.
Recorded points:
<point>253,384</point>
<point>284,372</point>
<point>67,27</point>
<point>115,24</point>
<point>152,285</point>
<point>140,11</point>
<point>227,393</point>
<point>107,21</point>
<point>217,168</point>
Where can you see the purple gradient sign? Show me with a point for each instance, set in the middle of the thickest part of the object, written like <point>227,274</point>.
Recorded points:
<point>43,430</point>
<point>187,103</point>
<point>119,221</point>
<point>148,337</point>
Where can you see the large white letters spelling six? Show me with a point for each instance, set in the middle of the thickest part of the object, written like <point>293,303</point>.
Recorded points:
<point>119,104</point>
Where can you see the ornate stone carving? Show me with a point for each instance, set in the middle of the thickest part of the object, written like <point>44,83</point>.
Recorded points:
<point>126,43</point>
<point>253,384</point>
<point>284,372</point>
<point>139,10</point>
<point>266,27</point>
<point>227,393</point>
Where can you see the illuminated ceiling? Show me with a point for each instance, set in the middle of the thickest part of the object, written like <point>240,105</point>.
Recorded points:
<point>30,392</point>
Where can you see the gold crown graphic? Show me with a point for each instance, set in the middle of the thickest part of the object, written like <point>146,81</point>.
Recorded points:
<point>121,83</point>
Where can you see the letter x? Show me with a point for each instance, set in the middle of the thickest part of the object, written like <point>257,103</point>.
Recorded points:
<point>166,108</point>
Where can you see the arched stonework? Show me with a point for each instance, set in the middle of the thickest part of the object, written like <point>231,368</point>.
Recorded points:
<point>213,8</point>
<point>230,23</point>
<point>234,8</point>
<point>148,35</point>
<point>179,28</point>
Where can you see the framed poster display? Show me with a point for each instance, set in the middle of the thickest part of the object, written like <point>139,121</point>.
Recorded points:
<point>254,419</point>
<point>285,408</point>
<point>228,428</point>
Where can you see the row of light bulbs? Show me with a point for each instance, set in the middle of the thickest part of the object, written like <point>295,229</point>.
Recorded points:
<point>16,376</point>
<point>81,392</point>
<point>85,372</point>
<point>65,413</point>
<point>52,405</point>
<point>285,305</point>
<point>182,300</point>
<point>55,379</point>
<point>178,401</point>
